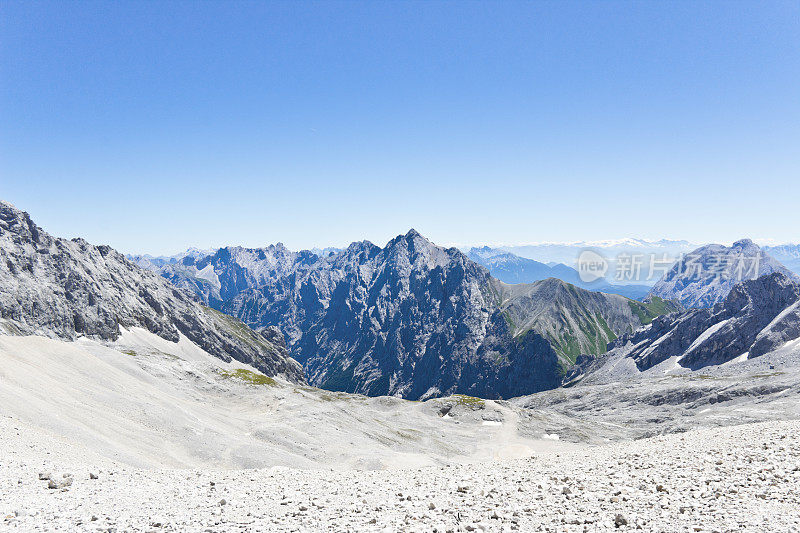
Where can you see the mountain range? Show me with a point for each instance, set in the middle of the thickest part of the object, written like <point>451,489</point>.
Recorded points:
<point>551,254</point>
<point>611,250</point>
<point>510,268</point>
<point>411,319</point>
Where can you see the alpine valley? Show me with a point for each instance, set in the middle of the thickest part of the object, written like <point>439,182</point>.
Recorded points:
<point>411,319</point>
<point>399,387</point>
<point>399,267</point>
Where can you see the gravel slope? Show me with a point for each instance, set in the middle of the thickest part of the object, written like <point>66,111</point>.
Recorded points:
<point>143,434</point>
<point>148,402</point>
<point>744,478</point>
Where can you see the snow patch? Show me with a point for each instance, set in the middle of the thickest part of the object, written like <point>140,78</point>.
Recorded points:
<point>706,334</point>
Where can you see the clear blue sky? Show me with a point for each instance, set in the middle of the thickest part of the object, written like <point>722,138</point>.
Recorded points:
<point>154,126</point>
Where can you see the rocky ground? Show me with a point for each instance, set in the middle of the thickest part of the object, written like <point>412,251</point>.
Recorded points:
<point>743,478</point>
<point>147,435</point>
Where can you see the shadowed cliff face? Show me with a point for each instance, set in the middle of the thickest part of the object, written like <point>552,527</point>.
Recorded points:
<point>758,316</point>
<point>416,320</point>
<point>66,289</point>
<point>410,319</point>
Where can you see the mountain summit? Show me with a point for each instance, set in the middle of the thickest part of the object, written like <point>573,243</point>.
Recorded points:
<point>705,276</point>
<point>417,320</point>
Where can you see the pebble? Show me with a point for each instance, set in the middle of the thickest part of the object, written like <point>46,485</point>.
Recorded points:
<point>667,483</point>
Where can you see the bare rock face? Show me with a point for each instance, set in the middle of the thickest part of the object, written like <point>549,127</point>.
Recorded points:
<point>62,288</point>
<point>784,328</point>
<point>410,319</point>
<point>704,278</point>
<point>748,309</point>
<point>416,320</point>
<point>756,317</point>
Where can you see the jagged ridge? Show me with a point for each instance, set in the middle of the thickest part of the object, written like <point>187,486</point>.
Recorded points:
<point>68,288</point>
<point>417,320</point>
<point>757,317</point>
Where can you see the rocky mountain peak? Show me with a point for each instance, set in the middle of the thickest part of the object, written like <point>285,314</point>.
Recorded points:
<point>411,240</point>
<point>414,253</point>
<point>768,294</point>
<point>413,234</point>
<point>357,251</point>
<point>705,276</point>
<point>746,246</point>
<point>553,284</point>
<point>18,222</point>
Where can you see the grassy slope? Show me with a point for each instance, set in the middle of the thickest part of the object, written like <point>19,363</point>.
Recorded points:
<point>574,323</point>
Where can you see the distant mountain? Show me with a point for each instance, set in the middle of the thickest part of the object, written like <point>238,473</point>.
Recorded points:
<point>155,262</point>
<point>510,268</point>
<point>567,252</point>
<point>757,317</point>
<point>324,252</point>
<point>612,250</point>
<point>219,277</point>
<point>70,288</point>
<point>705,276</point>
<point>576,321</point>
<point>788,254</point>
<point>416,320</point>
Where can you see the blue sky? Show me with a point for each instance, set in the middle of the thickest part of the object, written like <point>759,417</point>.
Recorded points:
<point>154,126</point>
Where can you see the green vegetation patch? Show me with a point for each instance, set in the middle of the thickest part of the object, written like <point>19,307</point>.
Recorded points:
<point>150,353</point>
<point>248,376</point>
<point>468,401</point>
<point>240,330</point>
<point>642,312</point>
<point>661,306</point>
<point>509,321</point>
<point>567,346</point>
<point>646,312</point>
<point>610,335</point>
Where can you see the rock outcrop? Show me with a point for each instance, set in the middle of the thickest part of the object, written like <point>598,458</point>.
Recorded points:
<point>756,317</point>
<point>70,288</point>
<point>416,320</point>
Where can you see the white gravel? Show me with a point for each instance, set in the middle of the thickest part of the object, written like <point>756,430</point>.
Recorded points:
<point>147,436</point>
<point>744,478</point>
